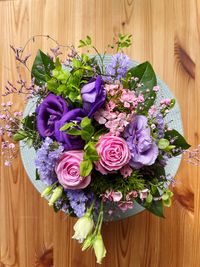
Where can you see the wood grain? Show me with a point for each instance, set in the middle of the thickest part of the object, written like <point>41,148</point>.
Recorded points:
<point>167,33</point>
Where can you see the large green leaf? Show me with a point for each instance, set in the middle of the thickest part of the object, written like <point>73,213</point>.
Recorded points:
<point>156,208</point>
<point>41,68</point>
<point>147,76</point>
<point>179,142</point>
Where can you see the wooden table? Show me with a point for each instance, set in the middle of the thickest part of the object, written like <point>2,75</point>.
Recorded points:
<point>166,33</point>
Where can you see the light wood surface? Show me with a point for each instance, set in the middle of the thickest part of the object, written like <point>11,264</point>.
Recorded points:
<point>165,32</point>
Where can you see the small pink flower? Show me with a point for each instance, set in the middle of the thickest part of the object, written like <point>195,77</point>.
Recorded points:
<point>147,91</point>
<point>1,132</point>
<point>133,193</point>
<point>9,134</point>
<point>124,205</point>
<point>126,171</point>
<point>7,163</point>
<point>152,110</point>
<point>16,114</point>
<point>3,104</point>
<point>153,126</point>
<point>140,98</point>
<point>30,114</point>
<point>168,101</point>
<point>9,103</point>
<point>116,196</point>
<point>20,113</point>
<point>114,153</point>
<point>156,88</point>
<point>11,146</point>
<point>126,105</point>
<point>68,170</point>
<point>144,194</point>
<point>169,129</point>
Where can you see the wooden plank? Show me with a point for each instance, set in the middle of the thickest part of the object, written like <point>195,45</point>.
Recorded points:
<point>167,34</point>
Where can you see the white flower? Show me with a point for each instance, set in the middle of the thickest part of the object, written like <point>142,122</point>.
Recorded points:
<point>99,248</point>
<point>83,227</point>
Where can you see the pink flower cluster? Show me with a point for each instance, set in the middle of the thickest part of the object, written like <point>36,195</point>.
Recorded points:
<point>120,109</point>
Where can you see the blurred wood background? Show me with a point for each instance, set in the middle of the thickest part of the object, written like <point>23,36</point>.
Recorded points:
<point>166,33</point>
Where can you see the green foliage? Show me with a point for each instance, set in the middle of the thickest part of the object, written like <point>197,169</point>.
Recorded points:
<point>154,206</point>
<point>20,135</point>
<point>101,183</point>
<point>86,167</point>
<point>180,142</point>
<point>41,68</point>
<point>147,76</point>
<point>123,41</point>
<point>37,176</point>
<point>85,130</point>
<point>68,83</point>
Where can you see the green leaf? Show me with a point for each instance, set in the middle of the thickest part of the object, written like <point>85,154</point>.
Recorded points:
<point>86,167</point>
<point>18,136</point>
<point>58,65</point>
<point>45,66</point>
<point>76,63</point>
<point>37,176</point>
<point>74,131</point>
<point>88,40</point>
<point>180,141</point>
<point>85,58</point>
<point>29,142</point>
<point>67,126</point>
<point>156,208</point>
<point>82,43</point>
<point>85,135</point>
<point>147,76</point>
<point>85,121</point>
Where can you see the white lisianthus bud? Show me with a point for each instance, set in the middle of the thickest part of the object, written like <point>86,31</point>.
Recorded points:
<point>83,227</point>
<point>47,190</point>
<point>57,193</point>
<point>99,248</point>
<point>88,242</point>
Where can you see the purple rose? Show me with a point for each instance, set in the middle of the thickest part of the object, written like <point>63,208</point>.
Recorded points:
<point>144,150</point>
<point>49,112</point>
<point>93,95</point>
<point>70,142</point>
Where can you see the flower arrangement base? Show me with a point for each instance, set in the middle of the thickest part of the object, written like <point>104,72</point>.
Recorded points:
<point>111,212</point>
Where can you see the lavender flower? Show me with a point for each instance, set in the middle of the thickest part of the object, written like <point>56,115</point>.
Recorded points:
<point>160,125</point>
<point>47,157</point>
<point>79,201</point>
<point>118,66</point>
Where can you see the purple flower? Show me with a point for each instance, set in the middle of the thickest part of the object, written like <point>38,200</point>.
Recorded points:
<point>46,159</point>
<point>93,96</point>
<point>118,66</point>
<point>49,112</point>
<point>70,142</point>
<point>144,150</point>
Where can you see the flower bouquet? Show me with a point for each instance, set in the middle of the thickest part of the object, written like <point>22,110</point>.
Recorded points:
<point>98,133</point>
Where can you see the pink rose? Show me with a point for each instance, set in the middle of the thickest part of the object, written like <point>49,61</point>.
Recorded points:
<point>114,153</point>
<point>68,170</point>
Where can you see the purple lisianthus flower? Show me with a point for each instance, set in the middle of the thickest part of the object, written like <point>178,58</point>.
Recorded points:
<point>70,142</point>
<point>93,96</point>
<point>49,112</point>
<point>144,150</point>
